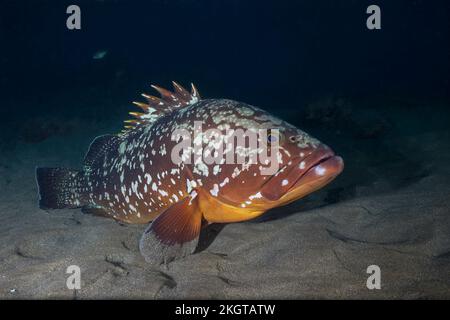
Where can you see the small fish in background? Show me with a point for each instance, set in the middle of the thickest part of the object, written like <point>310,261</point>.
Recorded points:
<point>100,54</point>
<point>131,176</point>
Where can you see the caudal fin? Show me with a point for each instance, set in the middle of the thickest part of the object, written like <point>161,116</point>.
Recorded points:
<point>58,188</point>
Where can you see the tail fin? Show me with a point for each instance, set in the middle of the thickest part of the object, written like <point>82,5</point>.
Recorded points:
<point>59,188</point>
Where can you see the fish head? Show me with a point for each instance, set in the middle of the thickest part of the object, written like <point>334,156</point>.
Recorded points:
<point>294,164</point>
<point>305,165</point>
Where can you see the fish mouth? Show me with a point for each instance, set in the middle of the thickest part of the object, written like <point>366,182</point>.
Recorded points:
<point>303,176</point>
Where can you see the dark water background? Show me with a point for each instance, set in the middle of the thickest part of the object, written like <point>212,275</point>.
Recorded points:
<point>269,53</point>
<point>313,63</point>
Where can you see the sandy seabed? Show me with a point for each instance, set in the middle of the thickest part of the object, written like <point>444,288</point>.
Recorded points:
<point>316,248</point>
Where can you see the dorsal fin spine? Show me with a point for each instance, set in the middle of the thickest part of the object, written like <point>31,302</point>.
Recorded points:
<point>194,92</point>
<point>165,94</point>
<point>180,90</point>
<point>141,105</point>
<point>169,101</point>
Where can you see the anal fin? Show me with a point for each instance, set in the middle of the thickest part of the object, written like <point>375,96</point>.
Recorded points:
<point>174,233</point>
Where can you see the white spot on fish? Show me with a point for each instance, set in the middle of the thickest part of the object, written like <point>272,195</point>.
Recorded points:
<point>224,182</point>
<point>193,196</point>
<point>319,170</point>
<point>163,193</point>
<point>255,196</point>
<point>215,190</point>
<point>122,147</point>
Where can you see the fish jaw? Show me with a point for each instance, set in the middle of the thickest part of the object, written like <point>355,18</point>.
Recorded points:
<point>303,176</point>
<point>314,179</point>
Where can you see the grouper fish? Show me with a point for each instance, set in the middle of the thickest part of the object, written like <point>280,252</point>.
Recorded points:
<point>155,171</point>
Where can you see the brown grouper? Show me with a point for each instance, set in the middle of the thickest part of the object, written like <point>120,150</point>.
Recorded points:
<point>136,176</point>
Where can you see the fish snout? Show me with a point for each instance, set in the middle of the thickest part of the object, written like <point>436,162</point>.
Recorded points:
<point>310,171</point>
<point>318,175</point>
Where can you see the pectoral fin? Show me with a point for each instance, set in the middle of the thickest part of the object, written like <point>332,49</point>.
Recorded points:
<point>174,233</point>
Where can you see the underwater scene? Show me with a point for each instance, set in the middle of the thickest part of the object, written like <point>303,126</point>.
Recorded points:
<point>224,149</point>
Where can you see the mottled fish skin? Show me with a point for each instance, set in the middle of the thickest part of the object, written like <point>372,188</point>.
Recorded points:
<point>132,177</point>
<point>137,179</point>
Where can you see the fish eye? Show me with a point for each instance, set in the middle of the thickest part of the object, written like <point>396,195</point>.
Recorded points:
<point>293,139</point>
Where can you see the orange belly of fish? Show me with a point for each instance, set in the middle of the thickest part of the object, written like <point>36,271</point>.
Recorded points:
<point>215,211</point>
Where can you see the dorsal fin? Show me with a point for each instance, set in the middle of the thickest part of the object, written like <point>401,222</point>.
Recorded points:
<point>98,148</point>
<point>157,107</point>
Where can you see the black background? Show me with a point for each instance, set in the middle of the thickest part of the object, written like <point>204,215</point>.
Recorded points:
<point>274,54</point>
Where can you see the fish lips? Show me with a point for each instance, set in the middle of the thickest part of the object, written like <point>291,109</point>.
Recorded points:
<point>303,175</point>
